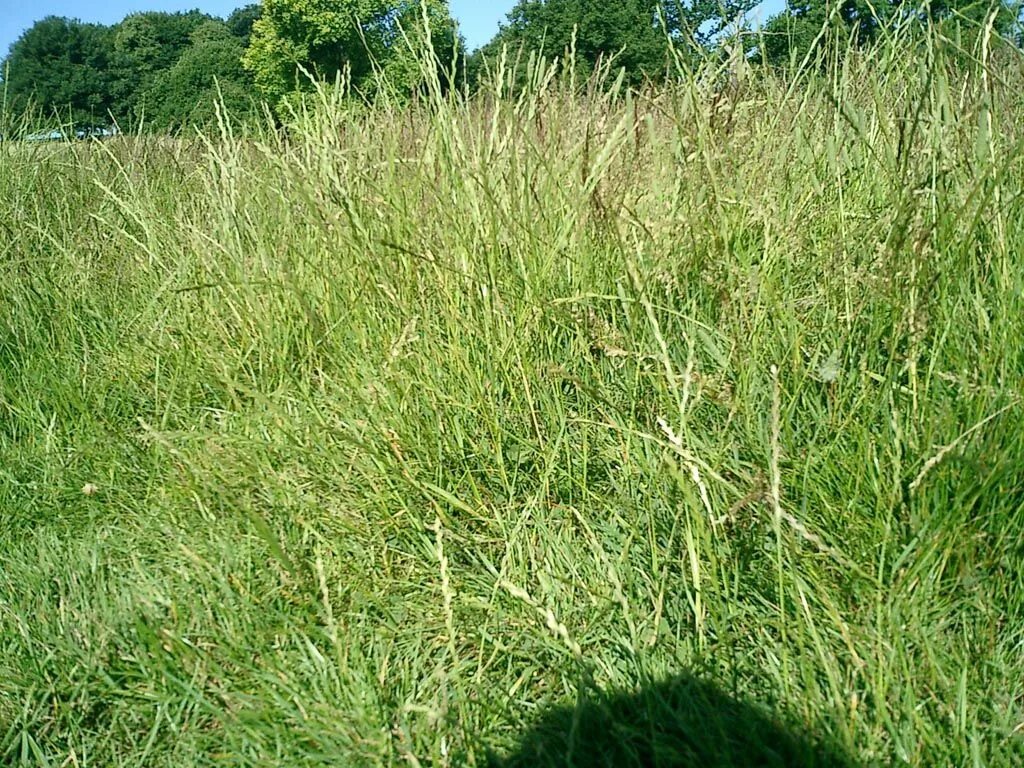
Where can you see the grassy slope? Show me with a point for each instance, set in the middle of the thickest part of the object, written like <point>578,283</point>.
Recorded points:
<point>413,429</point>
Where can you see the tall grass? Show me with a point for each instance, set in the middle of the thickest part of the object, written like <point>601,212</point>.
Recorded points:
<point>380,442</point>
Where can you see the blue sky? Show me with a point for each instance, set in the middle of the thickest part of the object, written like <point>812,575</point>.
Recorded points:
<point>478,19</point>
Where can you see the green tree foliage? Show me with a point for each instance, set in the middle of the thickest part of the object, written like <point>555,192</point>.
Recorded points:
<point>636,32</point>
<point>166,68</point>
<point>61,65</point>
<point>601,29</point>
<point>790,35</point>
<point>146,44</point>
<point>405,39</point>
<point>700,23</point>
<point>210,69</point>
<point>241,21</point>
<point>296,38</point>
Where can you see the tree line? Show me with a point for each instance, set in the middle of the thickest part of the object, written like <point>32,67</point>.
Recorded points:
<point>162,70</point>
<point>165,71</point>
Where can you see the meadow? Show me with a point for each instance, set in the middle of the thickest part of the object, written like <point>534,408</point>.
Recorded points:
<point>558,425</point>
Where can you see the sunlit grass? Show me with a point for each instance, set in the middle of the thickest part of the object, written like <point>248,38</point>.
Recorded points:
<point>371,444</point>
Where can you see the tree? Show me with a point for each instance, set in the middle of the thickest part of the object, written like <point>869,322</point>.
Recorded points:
<point>210,70</point>
<point>325,37</point>
<point>404,38</point>
<point>627,29</point>
<point>146,44</point>
<point>61,65</point>
<point>241,21</point>
<point>702,22</point>
<point>636,32</point>
<point>790,35</point>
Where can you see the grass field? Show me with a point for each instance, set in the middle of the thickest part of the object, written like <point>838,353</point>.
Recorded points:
<point>573,427</point>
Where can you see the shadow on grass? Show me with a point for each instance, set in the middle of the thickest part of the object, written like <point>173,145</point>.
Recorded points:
<point>682,723</point>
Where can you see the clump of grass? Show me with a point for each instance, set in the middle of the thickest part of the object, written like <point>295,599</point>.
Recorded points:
<point>379,443</point>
